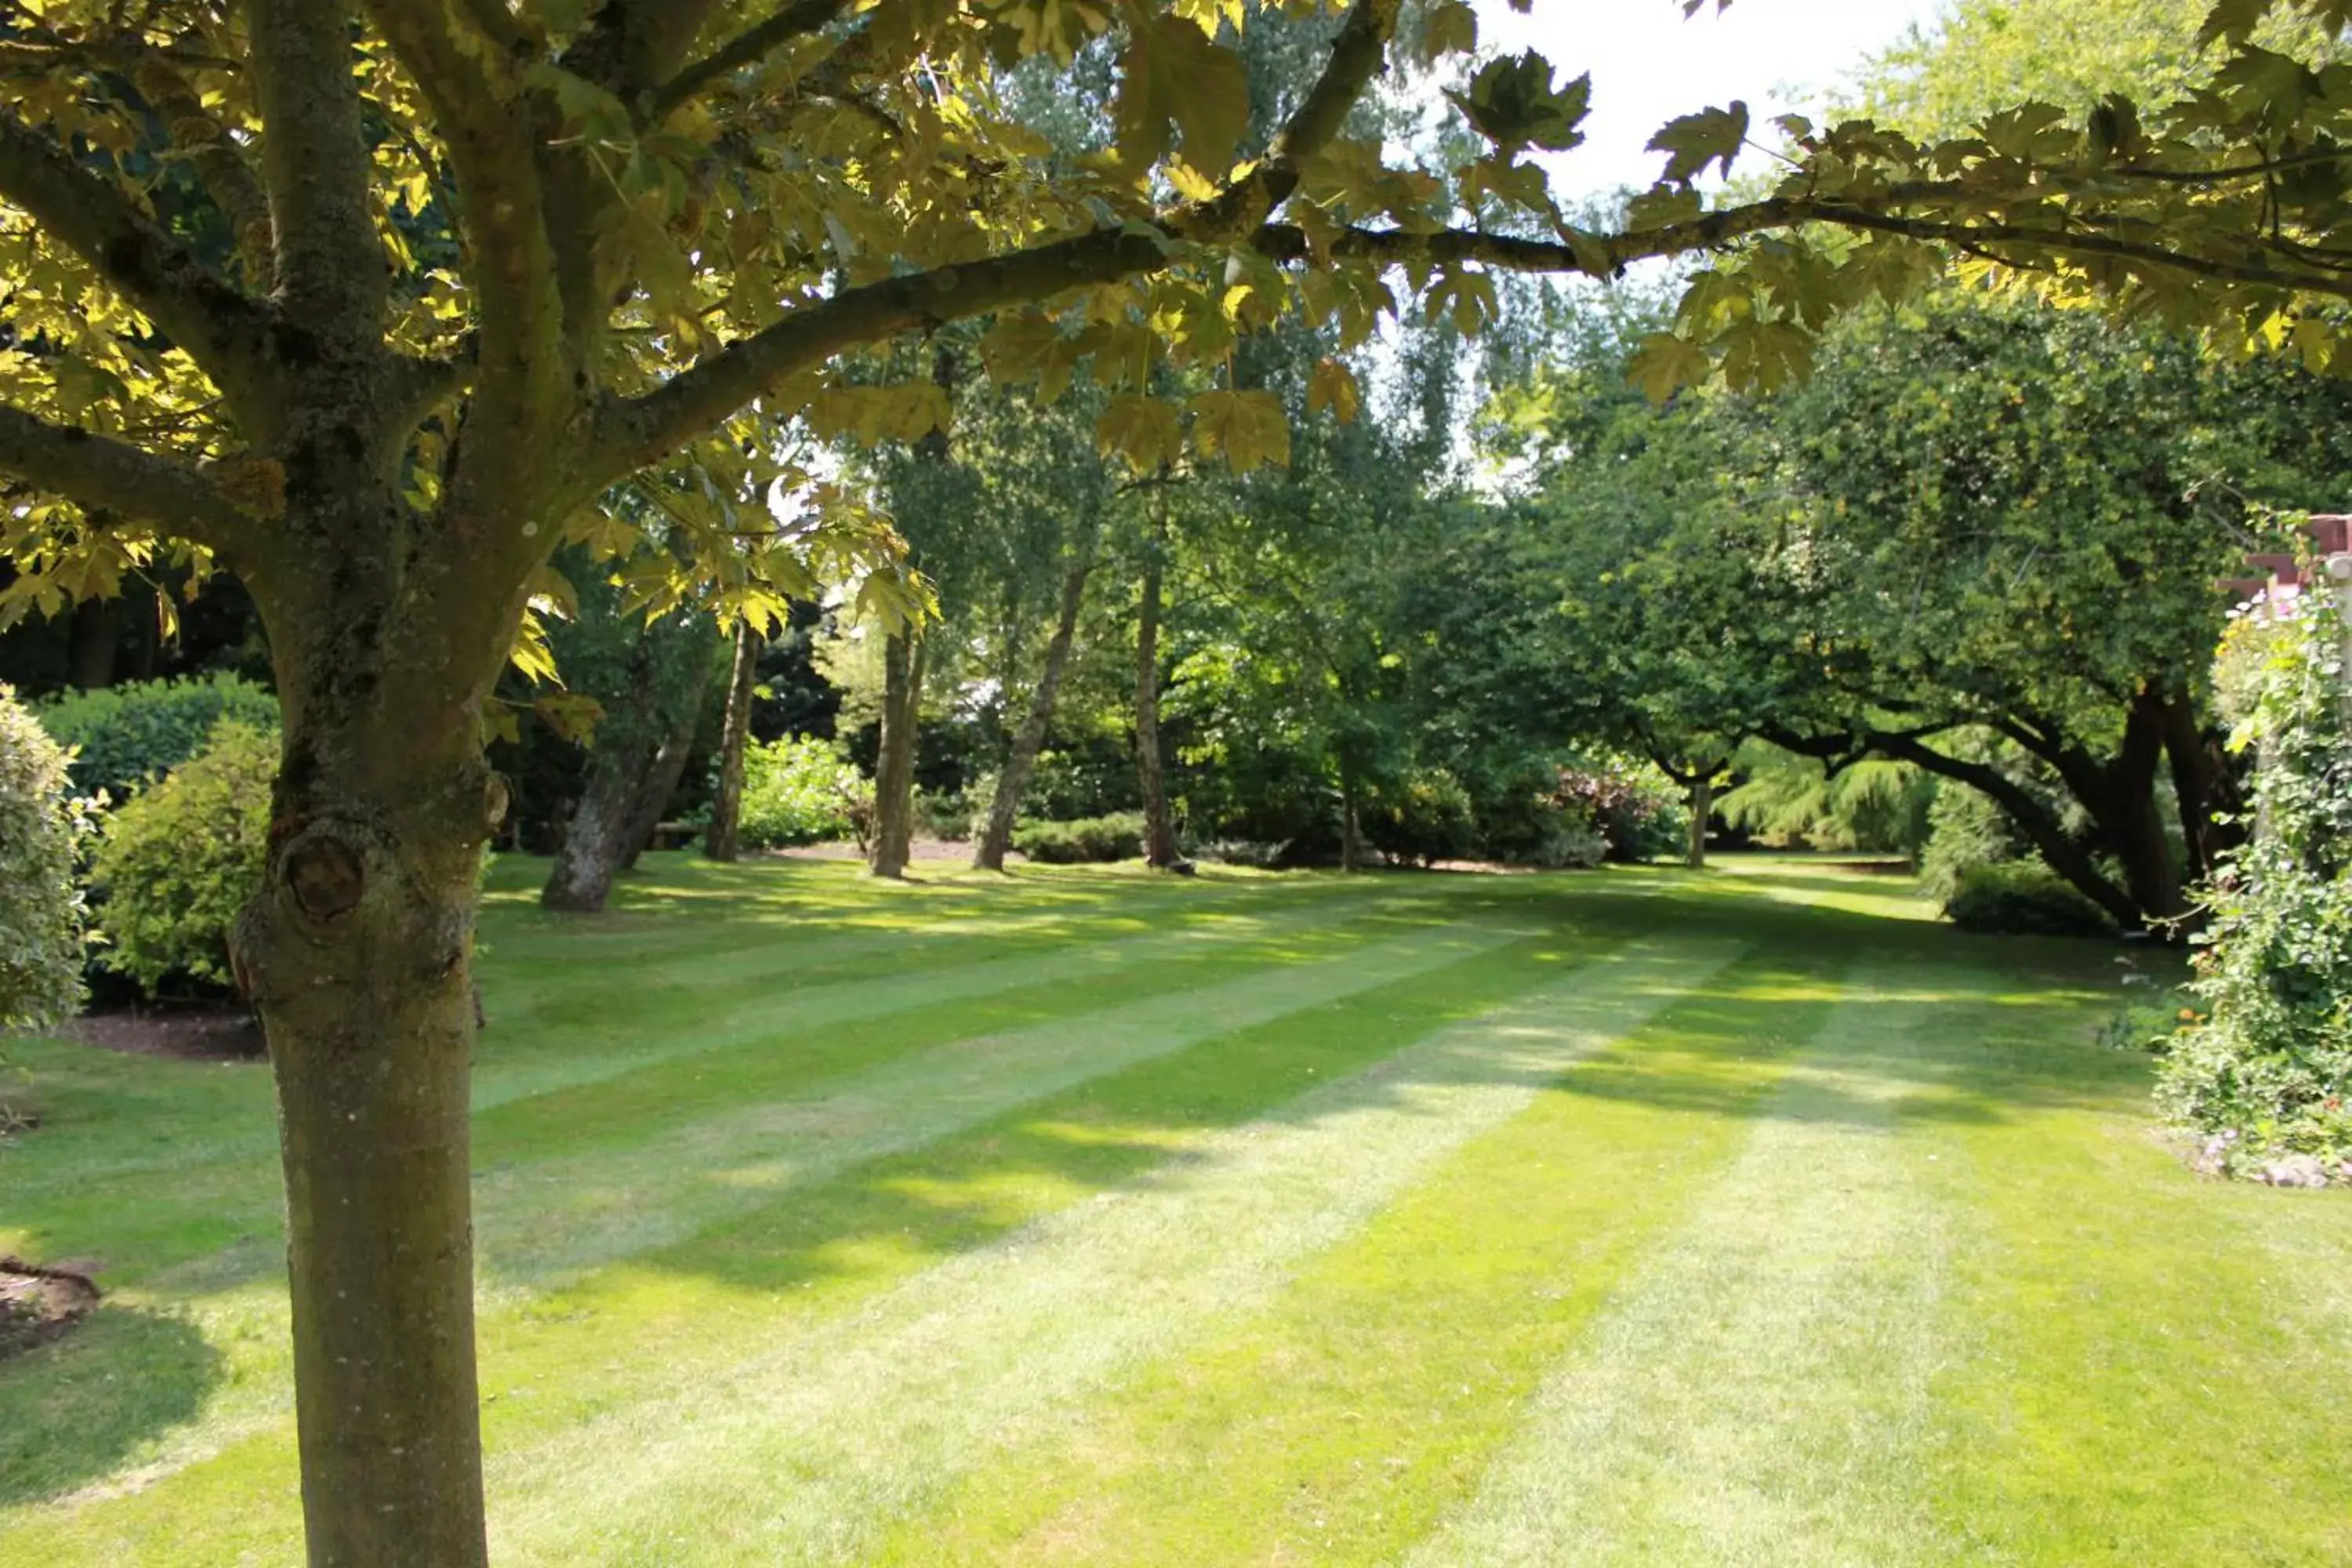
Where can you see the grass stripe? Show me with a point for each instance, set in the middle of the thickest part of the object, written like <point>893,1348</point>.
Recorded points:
<point>855,1421</point>
<point>1758,1394</point>
<point>1331,1426</point>
<point>555,1218</point>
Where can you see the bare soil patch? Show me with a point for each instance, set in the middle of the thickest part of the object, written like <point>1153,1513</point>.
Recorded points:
<point>37,1304</point>
<point>196,1032</point>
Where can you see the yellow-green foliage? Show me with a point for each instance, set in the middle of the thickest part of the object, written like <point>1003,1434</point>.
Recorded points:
<point>40,908</point>
<point>179,862</point>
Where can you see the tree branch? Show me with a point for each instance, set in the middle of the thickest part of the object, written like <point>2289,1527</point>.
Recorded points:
<point>98,473</point>
<point>331,272</point>
<point>469,82</point>
<point>218,160</point>
<point>796,20</point>
<point>221,329</point>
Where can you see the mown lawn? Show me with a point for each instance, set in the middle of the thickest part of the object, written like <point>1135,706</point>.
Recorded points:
<point>1080,1218</point>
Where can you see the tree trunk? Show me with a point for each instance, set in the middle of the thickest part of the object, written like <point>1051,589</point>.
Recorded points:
<point>662,779</point>
<point>2204,788</point>
<point>2129,819</point>
<point>668,667</point>
<point>1159,836</point>
<point>92,660</point>
<point>894,767</point>
<point>725,840</point>
<point>358,952</point>
<point>1004,810</point>
<point>1702,806</point>
<point>1351,826</point>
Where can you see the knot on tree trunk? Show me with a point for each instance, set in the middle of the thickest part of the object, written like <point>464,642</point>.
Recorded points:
<point>324,875</point>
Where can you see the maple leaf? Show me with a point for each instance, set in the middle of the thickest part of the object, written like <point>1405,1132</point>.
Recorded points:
<point>1664,363</point>
<point>1514,105</point>
<point>1451,28</point>
<point>1332,386</point>
<point>1147,432</point>
<point>1248,429</point>
<point>1695,141</point>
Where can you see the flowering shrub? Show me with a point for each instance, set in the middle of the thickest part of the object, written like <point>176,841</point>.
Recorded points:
<point>41,827</point>
<point>1634,809</point>
<point>2265,1074</point>
<point>799,791</point>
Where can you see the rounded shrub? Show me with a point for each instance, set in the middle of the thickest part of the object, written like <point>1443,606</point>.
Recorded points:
<point>799,791</point>
<point>1423,817</point>
<point>2021,897</point>
<point>127,736</point>
<point>1093,840</point>
<point>179,861</point>
<point>41,915</point>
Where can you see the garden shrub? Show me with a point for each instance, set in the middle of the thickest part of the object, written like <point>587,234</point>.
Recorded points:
<point>2265,1071</point>
<point>2019,898</point>
<point>128,735</point>
<point>180,860</point>
<point>1634,809</point>
<point>1423,817</point>
<point>798,790</point>
<point>41,914</point>
<point>1967,829</point>
<point>1092,840</point>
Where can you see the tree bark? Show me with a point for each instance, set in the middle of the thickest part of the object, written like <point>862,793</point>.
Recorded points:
<point>2048,835</point>
<point>724,841</point>
<point>358,953</point>
<point>894,767</point>
<point>1004,810</point>
<point>1702,806</point>
<point>626,780</point>
<point>1158,834</point>
<point>1351,826</point>
<point>662,778</point>
<point>93,645</point>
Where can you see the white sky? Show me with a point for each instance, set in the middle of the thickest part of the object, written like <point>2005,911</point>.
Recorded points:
<point>1649,65</point>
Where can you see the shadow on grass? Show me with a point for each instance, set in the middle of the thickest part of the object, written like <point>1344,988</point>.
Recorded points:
<point>1698,1056</point>
<point>73,1410</point>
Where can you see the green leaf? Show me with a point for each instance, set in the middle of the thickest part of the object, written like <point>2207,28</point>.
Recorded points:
<point>1248,429</point>
<point>1695,141</point>
<point>1514,105</point>
<point>1147,432</point>
<point>1664,363</point>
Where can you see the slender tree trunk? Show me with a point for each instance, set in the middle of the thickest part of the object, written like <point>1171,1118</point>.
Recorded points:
<point>1351,826</point>
<point>662,779</point>
<point>725,840</point>
<point>1005,809</point>
<point>668,668</point>
<point>93,650</point>
<point>1702,806</point>
<point>894,767</point>
<point>1159,834</point>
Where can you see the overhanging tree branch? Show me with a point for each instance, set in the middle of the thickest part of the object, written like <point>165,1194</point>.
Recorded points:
<point>98,473</point>
<point>796,20</point>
